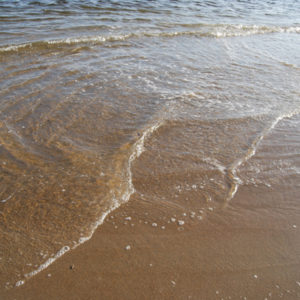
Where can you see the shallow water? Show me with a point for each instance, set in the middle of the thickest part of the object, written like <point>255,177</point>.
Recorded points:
<point>89,87</point>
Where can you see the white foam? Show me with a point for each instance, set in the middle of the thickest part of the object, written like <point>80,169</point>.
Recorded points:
<point>89,39</point>
<point>215,163</point>
<point>69,41</point>
<point>137,150</point>
<point>208,30</point>
<point>48,262</point>
<point>236,181</point>
<point>6,199</point>
<point>20,282</point>
<point>14,47</point>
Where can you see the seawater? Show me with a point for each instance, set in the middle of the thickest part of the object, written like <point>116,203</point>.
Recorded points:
<point>89,87</point>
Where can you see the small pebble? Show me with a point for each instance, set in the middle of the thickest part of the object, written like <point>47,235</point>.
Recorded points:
<point>154,225</point>
<point>72,267</point>
<point>173,220</point>
<point>255,276</point>
<point>294,226</point>
<point>49,275</point>
<point>128,218</point>
<point>180,222</point>
<point>128,247</point>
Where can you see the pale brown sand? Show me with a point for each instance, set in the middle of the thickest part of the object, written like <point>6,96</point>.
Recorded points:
<point>225,256</point>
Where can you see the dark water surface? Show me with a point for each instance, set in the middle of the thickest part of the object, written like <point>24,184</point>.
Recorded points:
<point>88,86</point>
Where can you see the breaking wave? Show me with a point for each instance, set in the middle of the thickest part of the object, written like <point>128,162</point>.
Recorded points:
<point>201,30</point>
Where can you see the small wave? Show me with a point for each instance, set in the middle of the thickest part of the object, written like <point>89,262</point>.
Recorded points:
<point>214,31</point>
<point>67,41</point>
<point>232,170</point>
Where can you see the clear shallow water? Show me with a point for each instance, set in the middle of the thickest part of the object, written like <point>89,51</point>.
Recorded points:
<point>87,87</point>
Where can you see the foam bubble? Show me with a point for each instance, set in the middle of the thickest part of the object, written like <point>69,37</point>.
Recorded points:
<point>20,282</point>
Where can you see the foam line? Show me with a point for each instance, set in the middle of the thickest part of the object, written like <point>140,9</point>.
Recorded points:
<point>232,170</point>
<point>137,149</point>
<point>208,30</point>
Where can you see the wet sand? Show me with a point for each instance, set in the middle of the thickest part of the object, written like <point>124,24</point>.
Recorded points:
<point>225,256</point>
<point>156,248</point>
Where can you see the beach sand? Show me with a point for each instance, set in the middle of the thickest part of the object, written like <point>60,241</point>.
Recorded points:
<point>225,256</point>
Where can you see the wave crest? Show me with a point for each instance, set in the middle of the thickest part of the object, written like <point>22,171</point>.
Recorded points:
<point>201,30</point>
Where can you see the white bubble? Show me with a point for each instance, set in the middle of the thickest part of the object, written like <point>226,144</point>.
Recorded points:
<point>20,282</point>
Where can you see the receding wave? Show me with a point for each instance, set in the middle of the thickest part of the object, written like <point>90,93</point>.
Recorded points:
<point>117,197</point>
<point>201,30</point>
<point>232,170</point>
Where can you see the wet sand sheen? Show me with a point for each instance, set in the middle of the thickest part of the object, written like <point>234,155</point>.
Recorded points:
<point>211,260</point>
<point>151,249</point>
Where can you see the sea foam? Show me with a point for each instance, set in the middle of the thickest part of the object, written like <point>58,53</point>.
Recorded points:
<point>137,150</point>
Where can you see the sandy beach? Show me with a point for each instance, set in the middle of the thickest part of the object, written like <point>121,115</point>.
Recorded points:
<point>149,150</point>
